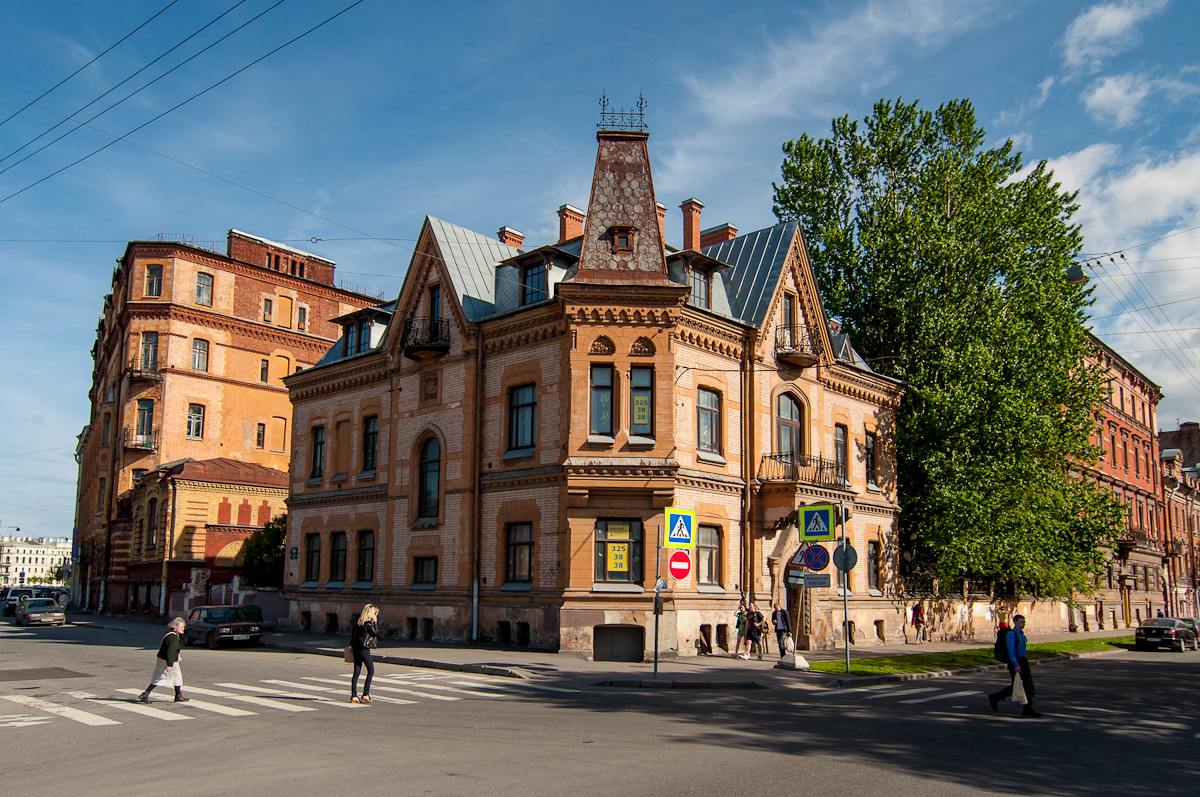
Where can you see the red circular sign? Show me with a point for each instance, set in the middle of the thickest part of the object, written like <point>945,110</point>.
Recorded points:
<point>680,564</point>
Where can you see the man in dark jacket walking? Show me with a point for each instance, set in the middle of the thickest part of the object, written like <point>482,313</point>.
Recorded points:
<point>1017,665</point>
<point>781,622</point>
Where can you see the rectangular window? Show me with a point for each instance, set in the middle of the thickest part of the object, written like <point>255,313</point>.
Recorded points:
<point>104,441</point>
<point>204,286</point>
<point>138,473</point>
<point>260,435</point>
<point>301,318</point>
<point>522,417</point>
<point>1137,463</point>
<point>370,443</point>
<point>318,452</point>
<point>641,401</point>
<point>425,570</point>
<point>145,418</point>
<point>195,422</point>
<point>869,459</point>
<point>839,451</point>
<point>266,309</point>
<point>278,433</point>
<point>708,555</point>
<point>519,567</point>
<point>533,283</point>
<point>619,550</point>
<point>337,556</point>
<point>149,358</point>
<point>1125,454</point>
<point>366,556</point>
<point>199,355</point>
<point>350,339</point>
<point>708,421</point>
<point>872,565</point>
<point>699,281</point>
<point>153,280</point>
<point>364,335</point>
<point>264,371</point>
<point>100,498</point>
<point>435,302</point>
<point>602,400</point>
<point>312,558</point>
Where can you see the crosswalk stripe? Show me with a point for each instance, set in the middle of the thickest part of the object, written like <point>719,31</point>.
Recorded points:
<point>376,687</point>
<point>905,692</point>
<point>396,700</point>
<point>441,688</point>
<point>505,685</point>
<point>138,708</point>
<point>66,712</point>
<point>497,686</point>
<point>856,689</point>
<point>24,723</point>
<point>292,695</point>
<point>204,705</point>
<point>295,685</point>
<point>941,697</point>
<point>258,701</point>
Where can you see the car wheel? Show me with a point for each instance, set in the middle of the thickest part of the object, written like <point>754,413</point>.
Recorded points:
<point>213,642</point>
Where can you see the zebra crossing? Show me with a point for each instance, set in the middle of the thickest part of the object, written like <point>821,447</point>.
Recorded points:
<point>230,699</point>
<point>892,693</point>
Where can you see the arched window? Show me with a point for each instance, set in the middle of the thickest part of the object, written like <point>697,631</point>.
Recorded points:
<point>430,473</point>
<point>789,418</point>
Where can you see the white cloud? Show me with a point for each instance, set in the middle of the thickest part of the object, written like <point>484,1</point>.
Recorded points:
<point>1105,30</point>
<point>1028,106</point>
<point>1117,99</point>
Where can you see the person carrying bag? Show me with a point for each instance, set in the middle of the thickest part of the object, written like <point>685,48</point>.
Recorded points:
<point>365,637</point>
<point>1021,690</point>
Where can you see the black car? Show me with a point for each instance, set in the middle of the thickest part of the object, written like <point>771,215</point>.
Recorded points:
<point>216,625</point>
<point>1165,631</point>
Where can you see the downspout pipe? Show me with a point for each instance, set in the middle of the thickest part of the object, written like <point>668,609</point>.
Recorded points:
<point>477,531</point>
<point>170,541</point>
<point>748,412</point>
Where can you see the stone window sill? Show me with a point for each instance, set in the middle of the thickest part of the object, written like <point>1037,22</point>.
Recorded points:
<point>307,585</point>
<point>711,589</point>
<point>367,475</point>
<point>711,458</point>
<point>422,586</point>
<point>518,453</point>
<point>639,441</point>
<point>315,481</point>
<point>603,586</point>
<point>517,586</point>
<point>339,478</point>
<point>335,584</point>
<point>424,523</point>
<point>361,585</point>
<point>601,440</point>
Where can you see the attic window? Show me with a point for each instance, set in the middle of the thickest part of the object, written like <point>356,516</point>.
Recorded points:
<point>701,284</point>
<point>621,237</point>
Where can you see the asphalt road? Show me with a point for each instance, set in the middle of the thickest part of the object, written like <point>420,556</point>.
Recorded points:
<point>260,724</point>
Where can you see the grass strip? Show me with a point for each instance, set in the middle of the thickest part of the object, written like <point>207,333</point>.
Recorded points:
<point>957,659</point>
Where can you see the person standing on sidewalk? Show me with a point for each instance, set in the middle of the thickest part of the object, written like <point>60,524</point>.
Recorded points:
<point>754,627</point>
<point>781,622</point>
<point>1017,665</point>
<point>167,671</point>
<point>740,625</point>
<point>365,636</point>
<point>918,621</point>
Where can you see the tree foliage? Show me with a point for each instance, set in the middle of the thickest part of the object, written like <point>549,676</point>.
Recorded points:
<point>263,555</point>
<point>946,261</point>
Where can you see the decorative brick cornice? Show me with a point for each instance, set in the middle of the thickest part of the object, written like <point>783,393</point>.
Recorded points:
<point>280,336</point>
<point>850,382</point>
<point>702,334</point>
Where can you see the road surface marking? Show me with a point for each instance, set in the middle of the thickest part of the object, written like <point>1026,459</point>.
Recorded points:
<point>204,705</point>
<point>941,697</point>
<point>441,688</point>
<point>475,681</point>
<point>85,717</point>
<point>258,701</point>
<point>856,689</point>
<point>906,692</point>
<point>145,711</point>
<point>291,695</point>
<point>295,685</point>
<point>375,686</point>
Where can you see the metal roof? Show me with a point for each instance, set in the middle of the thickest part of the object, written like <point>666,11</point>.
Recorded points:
<point>471,261</point>
<point>336,352</point>
<point>757,259</point>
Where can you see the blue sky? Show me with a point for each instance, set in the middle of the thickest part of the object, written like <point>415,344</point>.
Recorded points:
<point>484,115</point>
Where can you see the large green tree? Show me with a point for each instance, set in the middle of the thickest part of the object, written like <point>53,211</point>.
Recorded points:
<point>263,555</point>
<point>946,261</point>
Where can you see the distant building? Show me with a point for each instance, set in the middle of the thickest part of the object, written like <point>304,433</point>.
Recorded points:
<point>1181,503</point>
<point>30,561</point>
<point>188,363</point>
<point>1185,441</point>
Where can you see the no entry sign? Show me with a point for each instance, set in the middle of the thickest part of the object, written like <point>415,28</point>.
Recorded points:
<point>680,564</point>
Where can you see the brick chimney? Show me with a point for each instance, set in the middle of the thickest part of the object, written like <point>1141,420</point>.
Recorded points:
<point>570,223</point>
<point>717,235</point>
<point>662,218</point>
<point>513,238</point>
<point>691,223</point>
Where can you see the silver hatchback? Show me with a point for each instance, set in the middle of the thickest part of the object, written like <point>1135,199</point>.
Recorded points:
<point>40,611</point>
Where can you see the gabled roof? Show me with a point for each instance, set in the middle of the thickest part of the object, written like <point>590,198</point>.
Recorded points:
<point>470,260</point>
<point>223,470</point>
<point>757,259</point>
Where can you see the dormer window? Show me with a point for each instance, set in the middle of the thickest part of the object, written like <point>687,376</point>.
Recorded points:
<point>701,283</point>
<point>621,237</point>
<point>364,335</point>
<point>351,338</point>
<point>533,283</point>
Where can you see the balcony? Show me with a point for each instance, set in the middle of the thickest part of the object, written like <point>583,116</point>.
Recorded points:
<point>145,368</point>
<point>426,338</point>
<point>793,345</point>
<point>799,468</point>
<point>142,441</point>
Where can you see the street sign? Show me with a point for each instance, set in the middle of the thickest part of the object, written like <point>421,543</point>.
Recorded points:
<point>816,523</point>
<point>816,558</point>
<point>681,528</point>
<point>813,580</point>
<point>796,578</point>
<point>845,557</point>
<point>680,564</point>
<point>660,585</point>
<point>295,554</point>
<point>797,559</point>
<point>618,557</point>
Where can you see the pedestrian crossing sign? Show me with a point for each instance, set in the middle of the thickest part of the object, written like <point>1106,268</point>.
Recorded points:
<point>681,528</point>
<point>816,523</point>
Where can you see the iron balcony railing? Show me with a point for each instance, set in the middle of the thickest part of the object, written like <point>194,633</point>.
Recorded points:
<point>147,441</point>
<point>427,334</point>
<point>145,367</point>
<point>191,240</point>
<point>794,343</point>
<point>799,468</point>
<point>364,290</point>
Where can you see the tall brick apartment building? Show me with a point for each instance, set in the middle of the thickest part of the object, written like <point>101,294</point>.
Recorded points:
<point>189,361</point>
<point>470,455</point>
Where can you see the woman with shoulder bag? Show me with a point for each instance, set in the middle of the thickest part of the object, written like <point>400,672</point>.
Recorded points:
<point>365,636</point>
<point>167,671</point>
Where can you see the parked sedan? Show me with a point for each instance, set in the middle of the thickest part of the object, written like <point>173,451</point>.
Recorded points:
<point>216,625</point>
<point>1165,631</point>
<point>40,611</point>
<point>14,597</point>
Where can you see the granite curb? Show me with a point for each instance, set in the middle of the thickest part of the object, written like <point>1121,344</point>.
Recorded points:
<point>97,626</point>
<point>383,658</point>
<point>917,676</point>
<point>663,684</point>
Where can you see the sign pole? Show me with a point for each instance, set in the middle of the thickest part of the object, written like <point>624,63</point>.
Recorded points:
<point>845,589</point>
<point>657,593</point>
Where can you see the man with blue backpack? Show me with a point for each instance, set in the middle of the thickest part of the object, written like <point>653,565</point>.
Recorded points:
<point>1010,649</point>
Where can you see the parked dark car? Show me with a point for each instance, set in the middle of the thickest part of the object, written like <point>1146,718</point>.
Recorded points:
<point>14,597</point>
<point>40,611</point>
<point>217,625</point>
<point>1165,631</point>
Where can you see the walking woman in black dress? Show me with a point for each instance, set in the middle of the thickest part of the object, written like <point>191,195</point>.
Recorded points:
<point>366,632</point>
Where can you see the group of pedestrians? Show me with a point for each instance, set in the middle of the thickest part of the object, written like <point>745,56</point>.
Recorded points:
<point>752,627</point>
<point>168,671</point>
